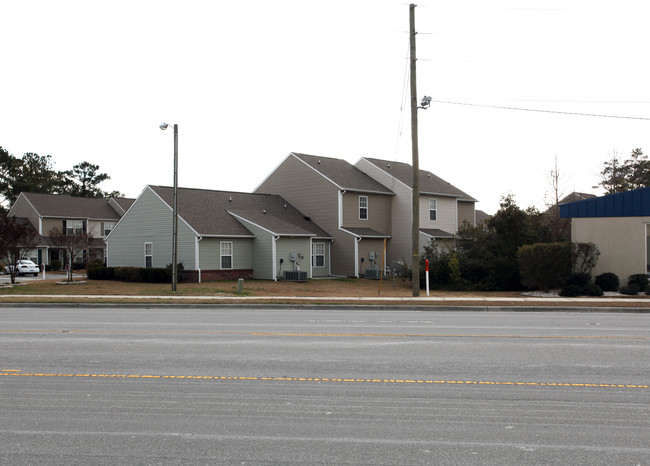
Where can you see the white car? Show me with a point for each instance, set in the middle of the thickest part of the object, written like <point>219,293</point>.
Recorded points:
<point>25,267</point>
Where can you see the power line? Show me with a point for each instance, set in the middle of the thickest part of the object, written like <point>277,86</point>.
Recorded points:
<point>540,111</point>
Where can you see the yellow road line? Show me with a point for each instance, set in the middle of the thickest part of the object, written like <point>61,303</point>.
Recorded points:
<point>15,373</point>
<point>326,334</point>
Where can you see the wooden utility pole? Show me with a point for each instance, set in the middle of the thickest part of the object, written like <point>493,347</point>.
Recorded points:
<point>415,233</point>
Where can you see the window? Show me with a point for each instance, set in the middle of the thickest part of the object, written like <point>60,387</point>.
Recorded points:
<point>73,227</point>
<point>148,255</point>
<point>433,209</point>
<point>226,254</point>
<point>363,207</point>
<point>318,255</point>
<point>108,227</point>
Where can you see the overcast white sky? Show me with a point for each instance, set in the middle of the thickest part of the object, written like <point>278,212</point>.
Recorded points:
<point>250,81</point>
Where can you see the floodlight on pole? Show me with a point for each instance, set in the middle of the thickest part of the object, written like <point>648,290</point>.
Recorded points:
<point>426,102</point>
<point>163,127</point>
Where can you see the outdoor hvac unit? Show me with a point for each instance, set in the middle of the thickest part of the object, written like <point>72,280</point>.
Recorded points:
<point>374,274</point>
<point>295,276</point>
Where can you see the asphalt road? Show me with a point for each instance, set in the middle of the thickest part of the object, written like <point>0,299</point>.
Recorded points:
<point>235,386</point>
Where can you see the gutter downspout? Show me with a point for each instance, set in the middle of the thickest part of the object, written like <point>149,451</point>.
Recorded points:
<point>197,255</point>
<point>341,193</point>
<point>357,240</point>
<point>274,258</point>
<point>329,258</point>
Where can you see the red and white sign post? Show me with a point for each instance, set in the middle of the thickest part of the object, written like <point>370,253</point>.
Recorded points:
<point>426,275</point>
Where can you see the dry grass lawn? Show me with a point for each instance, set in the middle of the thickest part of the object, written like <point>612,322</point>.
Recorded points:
<point>337,289</point>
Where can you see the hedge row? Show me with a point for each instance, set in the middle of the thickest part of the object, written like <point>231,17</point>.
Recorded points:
<point>131,274</point>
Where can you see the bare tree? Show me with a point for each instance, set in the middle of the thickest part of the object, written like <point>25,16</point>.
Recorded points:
<point>560,227</point>
<point>73,243</point>
<point>17,239</point>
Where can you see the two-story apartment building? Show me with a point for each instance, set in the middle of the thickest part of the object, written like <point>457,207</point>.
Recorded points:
<point>221,235</point>
<point>354,208</point>
<point>443,207</point>
<point>71,215</point>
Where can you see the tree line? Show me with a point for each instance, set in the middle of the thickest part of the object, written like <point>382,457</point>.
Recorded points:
<point>36,174</point>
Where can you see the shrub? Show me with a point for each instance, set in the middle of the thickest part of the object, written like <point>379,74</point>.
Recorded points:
<point>608,281</point>
<point>570,291</point>
<point>101,273</point>
<point>580,279</point>
<point>632,289</point>
<point>56,265</point>
<point>639,279</point>
<point>544,266</point>
<point>585,257</point>
<point>592,290</point>
<point>95,263</point>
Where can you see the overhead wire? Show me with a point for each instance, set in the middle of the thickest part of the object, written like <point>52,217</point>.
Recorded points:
<point>558,112</point>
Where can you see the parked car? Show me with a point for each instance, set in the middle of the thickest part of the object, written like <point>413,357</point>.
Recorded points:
<point>25,267</point>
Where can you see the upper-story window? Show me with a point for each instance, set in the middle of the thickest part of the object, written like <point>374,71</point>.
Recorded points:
<point>108,227</point>
<point>74,227</point>
<point>433,209</point>
<point>363,207</point>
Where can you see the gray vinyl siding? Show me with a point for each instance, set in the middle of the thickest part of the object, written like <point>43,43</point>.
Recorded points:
<point>378,212</point>
<point>399,244</point>
<point>446,217</point>
<point>22,208</point>
<point>150,220</point>
<point>318,198</point>
<point>301,246</point>
<point>466,213</point>
<point>325,270</point>
<point>210,253</point>
<point>262,250</point>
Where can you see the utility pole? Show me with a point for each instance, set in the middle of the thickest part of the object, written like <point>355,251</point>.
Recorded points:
<point>415,232</point>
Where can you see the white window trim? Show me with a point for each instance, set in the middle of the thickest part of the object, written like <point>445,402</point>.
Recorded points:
<point>149,243</point>
<point>363,207</point>
<point>435,208</point>
<point>104,227</point>
<point>314,255</point>
<point>74,224</point>
<point>222,255</point>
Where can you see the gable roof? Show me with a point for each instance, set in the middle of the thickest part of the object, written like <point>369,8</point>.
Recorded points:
<point>212,213</point>
<point>626,204</point>
<point>66,206</point>
<point>429,183</point>
<point>343,174</point>
<point>121,204</point>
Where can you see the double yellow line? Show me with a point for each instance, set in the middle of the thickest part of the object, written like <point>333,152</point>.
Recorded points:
<point>18,373</point>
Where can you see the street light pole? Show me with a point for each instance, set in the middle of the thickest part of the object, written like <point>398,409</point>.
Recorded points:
<point>174,209</point>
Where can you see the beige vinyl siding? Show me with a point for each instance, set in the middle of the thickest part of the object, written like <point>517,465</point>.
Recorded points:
<point>22,208</point>
<point>399,244</point>
<point>95,228</point>
<point>621,241</point>
<point>210,253</point>
<point>366,246</point>
<point>466,213</point>
<point>301,246</point>
<point>446,217</point>
<point>317,198</point>
<point>50,223</point>
<point>378,211</point>
<point>150,220</point>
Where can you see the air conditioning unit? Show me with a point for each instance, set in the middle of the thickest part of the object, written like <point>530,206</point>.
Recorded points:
<point>295,276</point>
<point>374,274</point>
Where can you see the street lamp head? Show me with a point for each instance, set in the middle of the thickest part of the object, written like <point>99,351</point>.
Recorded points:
<point>164,126</point>
<point>426,101</point>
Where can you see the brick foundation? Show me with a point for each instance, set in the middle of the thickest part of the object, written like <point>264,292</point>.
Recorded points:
<point>192,276</point>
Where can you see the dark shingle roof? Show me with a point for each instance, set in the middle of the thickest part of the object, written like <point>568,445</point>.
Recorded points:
<point>123,202</point>
<point>429,183</point>
<point>64,205</point>
<point>436,233</point>
<point>209,212</point>
<point>343,173</point>
<point>366,232</point>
